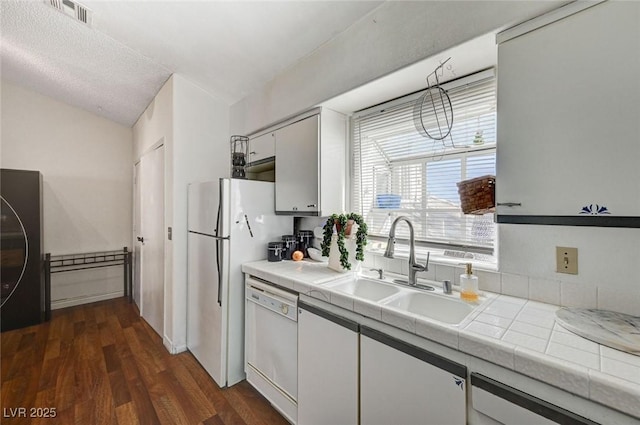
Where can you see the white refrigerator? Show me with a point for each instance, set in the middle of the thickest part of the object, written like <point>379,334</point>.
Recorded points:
<point>230,222</point>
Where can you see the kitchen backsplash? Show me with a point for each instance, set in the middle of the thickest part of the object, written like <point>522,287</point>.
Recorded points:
<point>608,261</point>
<point>558,292</point>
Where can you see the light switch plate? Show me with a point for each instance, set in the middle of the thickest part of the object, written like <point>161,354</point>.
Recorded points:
<point>566,260</point>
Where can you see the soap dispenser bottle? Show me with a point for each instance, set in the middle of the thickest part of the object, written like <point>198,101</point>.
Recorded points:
<point>469,285</point>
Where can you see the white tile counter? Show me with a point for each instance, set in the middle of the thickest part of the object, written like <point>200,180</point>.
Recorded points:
<point>511,332</point>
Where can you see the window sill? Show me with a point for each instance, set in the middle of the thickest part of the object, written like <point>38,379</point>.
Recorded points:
<point>436,256</point>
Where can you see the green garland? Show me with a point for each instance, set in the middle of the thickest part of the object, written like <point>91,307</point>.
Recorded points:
<point>361,237</point>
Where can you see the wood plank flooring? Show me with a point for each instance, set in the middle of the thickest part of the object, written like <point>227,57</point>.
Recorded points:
<point>101,363</point>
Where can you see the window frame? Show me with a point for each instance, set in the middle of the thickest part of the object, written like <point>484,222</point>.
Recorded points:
<point>469,152</point>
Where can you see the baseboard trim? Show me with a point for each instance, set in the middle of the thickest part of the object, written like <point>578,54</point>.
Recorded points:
<point>180,349</point>
<point>173,349</point>
<point>85,299</point>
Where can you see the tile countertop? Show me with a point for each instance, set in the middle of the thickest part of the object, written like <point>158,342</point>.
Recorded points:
<point>514,333</point>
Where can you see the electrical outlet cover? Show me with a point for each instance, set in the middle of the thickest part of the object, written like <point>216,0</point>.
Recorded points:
<point>566,260</point>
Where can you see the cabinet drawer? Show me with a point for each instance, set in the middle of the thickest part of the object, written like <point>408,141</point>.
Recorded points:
<point>511,406</point>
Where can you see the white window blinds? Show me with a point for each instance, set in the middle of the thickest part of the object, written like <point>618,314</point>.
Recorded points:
<point>397,171</point>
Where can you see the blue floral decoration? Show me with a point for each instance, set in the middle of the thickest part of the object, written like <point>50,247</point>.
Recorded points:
<point>599,209</point>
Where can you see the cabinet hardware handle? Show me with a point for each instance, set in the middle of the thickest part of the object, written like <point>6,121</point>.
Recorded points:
<point>252,153</point>
<point>311,206</point>
<point>509,204</point>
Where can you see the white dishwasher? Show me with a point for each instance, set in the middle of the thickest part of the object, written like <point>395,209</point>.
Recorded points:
<point>271,345</point>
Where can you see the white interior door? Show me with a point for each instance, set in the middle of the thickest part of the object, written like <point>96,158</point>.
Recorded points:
<point>151,240</point>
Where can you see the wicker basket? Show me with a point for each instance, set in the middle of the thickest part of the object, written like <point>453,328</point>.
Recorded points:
<point>478,196</point>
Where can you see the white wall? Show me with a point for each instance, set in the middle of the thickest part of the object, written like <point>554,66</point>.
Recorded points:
<point>195,128</point>
<point>391,37</point>
<point>86,165</point>
<point>201,153</point>
<point>155,122</point>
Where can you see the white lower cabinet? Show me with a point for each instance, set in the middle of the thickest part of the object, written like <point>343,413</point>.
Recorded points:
<point>351,374</point>
<point>403,384</point>
<point>327,368</point>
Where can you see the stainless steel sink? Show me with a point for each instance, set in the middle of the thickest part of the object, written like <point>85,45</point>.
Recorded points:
<point>368,289</point>
<point>443,309</point>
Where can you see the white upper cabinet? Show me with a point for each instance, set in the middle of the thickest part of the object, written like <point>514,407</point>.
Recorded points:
<point>311,164</point>
<point>297,166</point>
<point>569,118</point>
<point>262,148</point>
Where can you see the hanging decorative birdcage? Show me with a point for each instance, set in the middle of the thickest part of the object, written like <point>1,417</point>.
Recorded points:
<point>432,111</point>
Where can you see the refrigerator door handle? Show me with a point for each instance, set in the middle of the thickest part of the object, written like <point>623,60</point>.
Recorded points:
<point>216,231</point>
<point>246,219</point>
<point>219,271</point>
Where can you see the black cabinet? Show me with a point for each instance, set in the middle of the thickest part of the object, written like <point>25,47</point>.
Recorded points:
<point>22,282</point>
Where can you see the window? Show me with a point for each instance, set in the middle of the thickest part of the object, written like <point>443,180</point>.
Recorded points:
<point>397,171</point>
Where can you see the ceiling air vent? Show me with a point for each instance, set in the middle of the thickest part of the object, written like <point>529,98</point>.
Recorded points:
<point>72,9</point>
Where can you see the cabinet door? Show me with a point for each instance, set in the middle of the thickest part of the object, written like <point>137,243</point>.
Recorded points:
<point>400,388</point>
<point>297,148</point>
<point>262,147</point>
<point>568,108</point>
<point>327,368</point>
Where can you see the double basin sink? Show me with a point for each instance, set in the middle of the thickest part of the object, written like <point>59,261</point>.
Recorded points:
<point>440,307</point>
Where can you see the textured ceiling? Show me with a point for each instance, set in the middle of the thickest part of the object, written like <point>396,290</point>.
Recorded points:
<point>115,68</point>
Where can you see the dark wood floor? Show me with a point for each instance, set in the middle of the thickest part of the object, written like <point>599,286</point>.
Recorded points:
<point>102,364</point>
